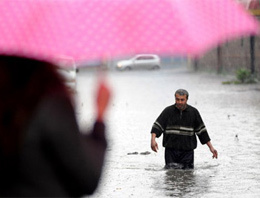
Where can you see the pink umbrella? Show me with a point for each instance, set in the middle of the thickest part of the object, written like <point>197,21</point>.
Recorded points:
<point>101,29</point>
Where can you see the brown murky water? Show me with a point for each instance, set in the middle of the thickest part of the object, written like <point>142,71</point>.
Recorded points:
<point>231,114</point>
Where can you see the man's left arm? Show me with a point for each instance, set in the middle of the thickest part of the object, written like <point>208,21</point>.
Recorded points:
<point>203,135</point>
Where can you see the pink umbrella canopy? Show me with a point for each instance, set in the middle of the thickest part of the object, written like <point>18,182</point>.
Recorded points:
<point>101,29</point>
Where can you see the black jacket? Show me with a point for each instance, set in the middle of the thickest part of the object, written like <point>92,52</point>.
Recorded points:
<point>179,128</point>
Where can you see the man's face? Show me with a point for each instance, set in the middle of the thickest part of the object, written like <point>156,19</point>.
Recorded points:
<point>181,101</point>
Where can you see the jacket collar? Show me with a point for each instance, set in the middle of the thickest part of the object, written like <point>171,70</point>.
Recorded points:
<point>186,109</point>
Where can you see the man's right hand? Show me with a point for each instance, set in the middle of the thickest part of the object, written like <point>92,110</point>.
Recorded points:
<point>154,145</point>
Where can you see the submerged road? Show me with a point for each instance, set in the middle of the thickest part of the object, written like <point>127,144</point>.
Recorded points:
<point>231,115</point>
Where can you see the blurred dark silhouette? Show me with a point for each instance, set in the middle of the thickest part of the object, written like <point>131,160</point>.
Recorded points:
<point>42,152</point>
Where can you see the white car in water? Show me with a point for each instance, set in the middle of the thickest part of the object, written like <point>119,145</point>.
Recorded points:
<point>70,76</point>
<point>68,70</point>
<point>141,61</point>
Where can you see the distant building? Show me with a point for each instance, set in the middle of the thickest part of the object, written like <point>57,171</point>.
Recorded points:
<point>236,54</point>
<point>250,4</point>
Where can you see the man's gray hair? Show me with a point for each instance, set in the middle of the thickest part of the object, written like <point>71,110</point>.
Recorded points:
<point>182,92</point>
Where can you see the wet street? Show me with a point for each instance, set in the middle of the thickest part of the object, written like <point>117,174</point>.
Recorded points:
<point>231,114</point>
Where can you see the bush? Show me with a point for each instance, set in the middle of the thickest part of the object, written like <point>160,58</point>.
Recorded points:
<point>243,75</point>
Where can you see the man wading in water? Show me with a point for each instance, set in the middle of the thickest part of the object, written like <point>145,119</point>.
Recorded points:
<point>179,124</point>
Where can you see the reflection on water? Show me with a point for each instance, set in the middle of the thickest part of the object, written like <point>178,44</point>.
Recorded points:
<point>179,182</point>
<point>231,114</point>
<point>182,183</point>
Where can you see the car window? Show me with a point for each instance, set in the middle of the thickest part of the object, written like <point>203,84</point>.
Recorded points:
<point>145,58</point>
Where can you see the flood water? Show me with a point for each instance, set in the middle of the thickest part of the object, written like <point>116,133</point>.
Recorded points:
<point>231,114</point>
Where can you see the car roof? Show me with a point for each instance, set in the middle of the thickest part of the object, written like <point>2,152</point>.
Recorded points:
<point>146,55</point>
<point>152,55</point>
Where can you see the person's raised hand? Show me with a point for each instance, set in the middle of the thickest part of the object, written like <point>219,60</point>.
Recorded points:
<point>103,97</point>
